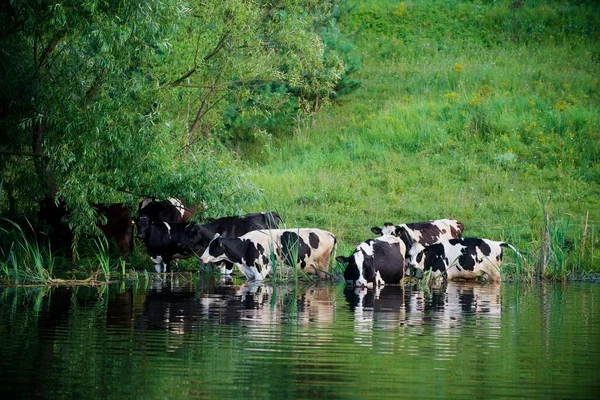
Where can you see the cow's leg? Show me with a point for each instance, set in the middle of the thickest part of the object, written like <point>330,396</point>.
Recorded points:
<point>226,268</point>
<point>246,271</point>
<point>493,273</point>
<point>158,262</point>
<point>167,264</point>
<point>257,275</point>
<point>225,280</point>
<point>379,280</point>
<point>124,243</point>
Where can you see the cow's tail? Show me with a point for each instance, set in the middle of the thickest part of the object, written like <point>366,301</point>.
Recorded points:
<point>510,246</point>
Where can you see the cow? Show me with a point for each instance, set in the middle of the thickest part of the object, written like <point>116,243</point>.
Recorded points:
<point>459,258</point>
<point>377,261</point>
<point>162,244</point>
<point>166,241</point>
<point>170,210</point>
<point>426,233</point>
<point>253,253</point>
<point>119,225</point>
<point>198,236</point>
<point>114,220</point>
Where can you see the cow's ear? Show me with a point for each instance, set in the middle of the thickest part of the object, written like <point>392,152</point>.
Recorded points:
<point>342,259</point>
<point>376,230</point>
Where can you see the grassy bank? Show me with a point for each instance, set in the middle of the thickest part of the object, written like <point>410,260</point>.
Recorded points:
<point>472,110</point>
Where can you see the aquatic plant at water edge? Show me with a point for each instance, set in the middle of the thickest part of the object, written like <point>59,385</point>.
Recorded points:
<point>24,259</point>
<point>103,256</point>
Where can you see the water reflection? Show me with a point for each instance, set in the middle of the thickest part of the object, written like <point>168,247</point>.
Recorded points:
<point>425,311</point>
<point>184,333</point>
<point>178,305</point>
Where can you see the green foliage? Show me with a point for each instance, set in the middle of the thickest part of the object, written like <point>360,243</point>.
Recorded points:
<point>455,119</point>
<point>110,101</point>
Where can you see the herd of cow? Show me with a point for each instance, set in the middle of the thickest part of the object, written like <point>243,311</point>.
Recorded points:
<point>255,244</point>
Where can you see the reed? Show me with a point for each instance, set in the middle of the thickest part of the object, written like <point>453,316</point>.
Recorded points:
<point>103,256</point>
<point>26,260</point>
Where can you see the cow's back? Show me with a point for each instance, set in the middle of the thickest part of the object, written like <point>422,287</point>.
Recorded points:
<point>238,226</point>
<point>435,231</point>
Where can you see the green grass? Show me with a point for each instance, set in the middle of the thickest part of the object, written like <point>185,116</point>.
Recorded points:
<point>27,261</point>
<point>463,112</point>
<point>103,257</point>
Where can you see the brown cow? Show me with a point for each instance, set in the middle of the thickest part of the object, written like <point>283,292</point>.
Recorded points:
<point>119,224</point>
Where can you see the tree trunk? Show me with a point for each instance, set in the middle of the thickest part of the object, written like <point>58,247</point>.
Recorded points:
<point>41,163</point>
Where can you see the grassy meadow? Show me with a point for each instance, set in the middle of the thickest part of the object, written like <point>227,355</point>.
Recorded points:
<point>476,110</point>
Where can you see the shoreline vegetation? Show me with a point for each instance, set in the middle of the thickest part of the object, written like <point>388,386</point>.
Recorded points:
<point>553,258</point>
<point>487,112</point>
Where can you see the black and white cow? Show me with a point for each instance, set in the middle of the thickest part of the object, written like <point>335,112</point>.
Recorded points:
<point>198,236</point>
<point>459,258</point>
<point>162,240</point>
<point>151,211</point>
<point>253,253</point>
<point>376,261</point>
<point>426,233</point>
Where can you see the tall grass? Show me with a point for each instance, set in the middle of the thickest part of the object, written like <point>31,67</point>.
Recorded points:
<point>24,259</point>
<point>103,256</point>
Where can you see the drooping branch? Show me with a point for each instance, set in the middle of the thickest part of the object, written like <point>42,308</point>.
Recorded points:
<point>41,164</point>
<point>207,57</point>
<point>202,110</point>
<point>48,49</point>
<point>95,87</point>
<point>178,81</point>
<point>199,115</point>
<point>218,47</point>
<point>250,82</point>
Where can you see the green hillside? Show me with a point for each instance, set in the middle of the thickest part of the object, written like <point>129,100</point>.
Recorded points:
<point>479,110</point>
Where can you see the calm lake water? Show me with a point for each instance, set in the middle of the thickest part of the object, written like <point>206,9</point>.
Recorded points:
<point>188,338</point>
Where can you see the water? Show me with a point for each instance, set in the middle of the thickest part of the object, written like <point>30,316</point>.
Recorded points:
<point>185,338</point>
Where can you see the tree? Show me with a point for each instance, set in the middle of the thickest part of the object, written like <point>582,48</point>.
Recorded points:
<point>109,100</point>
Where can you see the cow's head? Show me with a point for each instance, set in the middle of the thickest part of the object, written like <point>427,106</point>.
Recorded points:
<point>142,223</point>
<point>195,237</point>
<point>360,269</point>
<point>416,256</point>
<point>387,229</point>
<point>351,273</point>
<point>215,251</point>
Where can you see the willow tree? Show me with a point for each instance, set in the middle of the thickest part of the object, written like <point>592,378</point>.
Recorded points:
<point>110,100</point>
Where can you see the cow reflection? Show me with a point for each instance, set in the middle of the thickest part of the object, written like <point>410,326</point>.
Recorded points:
<point>382,307</point>
<point>421,312</point>
<point>179,306</point>
<point>169,304</point>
